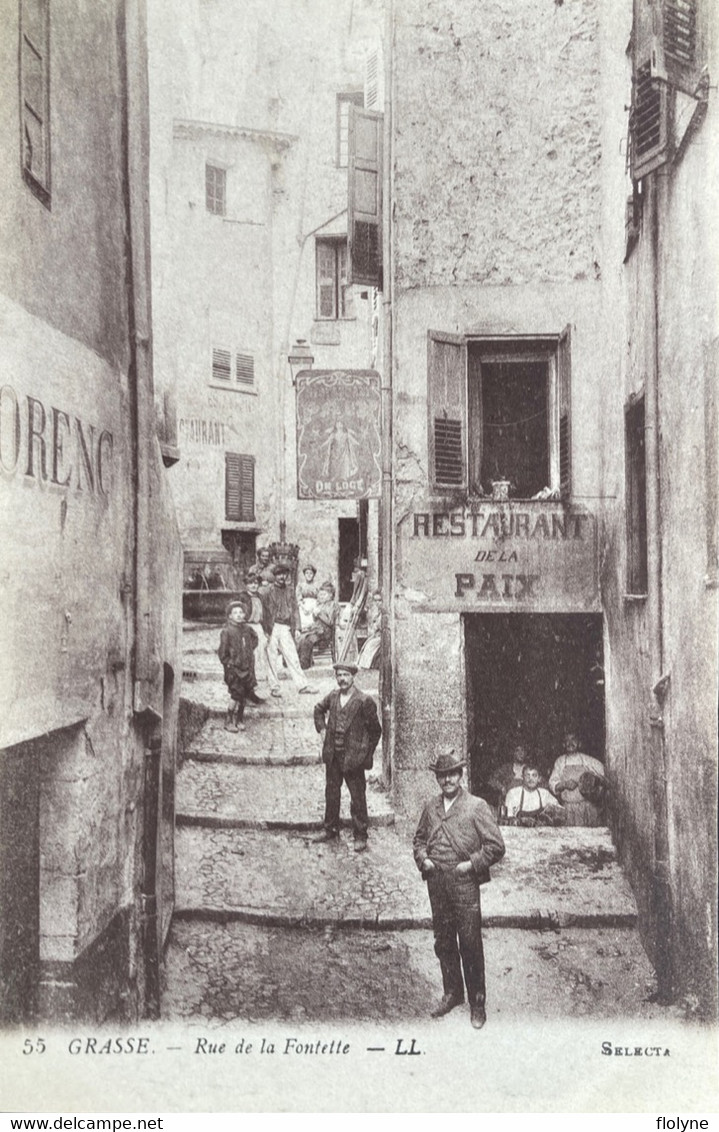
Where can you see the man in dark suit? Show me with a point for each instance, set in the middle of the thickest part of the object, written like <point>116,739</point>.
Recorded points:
<point>352,729</point>
<point>457,840</point>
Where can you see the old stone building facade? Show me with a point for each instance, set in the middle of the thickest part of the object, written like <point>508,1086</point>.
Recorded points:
<point>249,196</point>
<point>552,358</point>
<point>90,557</point>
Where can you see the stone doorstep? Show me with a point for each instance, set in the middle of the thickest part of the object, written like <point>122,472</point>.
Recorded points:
<point>530,921</point>
<point>194,674</point>
<point>252,759</point>
<point>219,821</point>
<point>271,711</point>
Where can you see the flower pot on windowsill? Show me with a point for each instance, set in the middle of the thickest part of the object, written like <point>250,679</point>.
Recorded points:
<point>500,490</point>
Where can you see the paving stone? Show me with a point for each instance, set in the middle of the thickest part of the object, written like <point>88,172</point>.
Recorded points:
<point>262,794</point>
<point>572,876</point>
<point>248,972</point>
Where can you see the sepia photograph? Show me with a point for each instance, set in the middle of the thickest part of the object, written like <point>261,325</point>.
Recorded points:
<point>359,551</point>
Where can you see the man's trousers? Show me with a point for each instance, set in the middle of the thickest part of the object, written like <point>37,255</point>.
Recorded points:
<point>357,787</point>
<point>282,643</point>
<point>457,917</point>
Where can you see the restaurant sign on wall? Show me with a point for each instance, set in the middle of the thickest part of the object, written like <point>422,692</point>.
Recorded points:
<point>338,434</point>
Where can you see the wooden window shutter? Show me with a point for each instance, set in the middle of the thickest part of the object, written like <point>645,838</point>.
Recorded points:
<point>374,80</point>
<point>678,55</point>
<point>564,391</point>
<point>364,204</point>
<point>650,134</point>
<point>447,408</point>
<point>245,370</point>
<point>221,364</point>
<point>239,487</point>
<point>35,96</point>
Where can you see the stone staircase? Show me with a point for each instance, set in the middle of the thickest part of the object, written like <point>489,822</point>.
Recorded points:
<point>248,805</point>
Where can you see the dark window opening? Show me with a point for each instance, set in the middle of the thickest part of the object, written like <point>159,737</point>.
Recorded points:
<point>348,553</point>
<point>515,426</point>
<point>636,502</point>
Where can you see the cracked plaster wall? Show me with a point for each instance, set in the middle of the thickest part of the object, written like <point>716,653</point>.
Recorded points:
<point>497,142</point>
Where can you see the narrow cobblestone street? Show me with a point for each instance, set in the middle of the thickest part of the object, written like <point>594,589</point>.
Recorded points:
<point>270,926</point>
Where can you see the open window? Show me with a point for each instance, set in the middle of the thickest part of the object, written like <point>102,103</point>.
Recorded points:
<point>499,412</point>
<point>344,101</point>
<point>334,295</point>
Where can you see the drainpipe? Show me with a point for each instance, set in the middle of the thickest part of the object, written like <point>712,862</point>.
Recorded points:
<point>385,513</point>
<point>139,319</point>
<point>148,896</point>
<point>133,46</point>
<point>662,894</point>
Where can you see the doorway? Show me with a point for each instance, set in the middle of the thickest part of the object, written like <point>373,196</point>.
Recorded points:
<point>19,882</point>
<point>348,553</point>
<point>530,679</point>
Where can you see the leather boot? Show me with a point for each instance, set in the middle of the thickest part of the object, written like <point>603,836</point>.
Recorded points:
<point>446,1003</point>
<point>477,1014</point>
<point>230,724</point>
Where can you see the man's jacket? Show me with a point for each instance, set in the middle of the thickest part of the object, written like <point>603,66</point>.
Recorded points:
<point>470,828</point>
<point>280,603</point>
<point>362,730</point>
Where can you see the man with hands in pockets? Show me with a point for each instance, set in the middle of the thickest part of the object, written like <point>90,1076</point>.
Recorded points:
<point>456,842</point>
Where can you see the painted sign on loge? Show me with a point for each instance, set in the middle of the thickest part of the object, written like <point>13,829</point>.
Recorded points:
<point>338,434</point>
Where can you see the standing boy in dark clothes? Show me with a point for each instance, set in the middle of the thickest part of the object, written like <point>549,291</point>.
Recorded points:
<point>238,642</point>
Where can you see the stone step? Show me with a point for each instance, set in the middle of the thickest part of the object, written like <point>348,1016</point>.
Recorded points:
<point>549,878</point>
<point>259,973</point>
<point>221,795</point>
<point>270,738</point>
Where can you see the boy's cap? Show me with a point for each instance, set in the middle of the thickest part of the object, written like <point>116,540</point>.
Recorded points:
<point>242,604</point>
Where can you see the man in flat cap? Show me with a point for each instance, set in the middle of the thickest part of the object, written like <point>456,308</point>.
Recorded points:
<point>281,622</point>
<point>352,729</point>
<point>457,840</point>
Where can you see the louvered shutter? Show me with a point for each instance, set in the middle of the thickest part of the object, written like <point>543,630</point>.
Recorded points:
<point>650,136</point>
<point>374,80</point>
<point>221,364</point>
<point>678,57</point>
<point>245,370</point>
<point>239,487</point>
<point>34,86</point>
<point>564,390</point>
<point>364,204</point>
<point>447,408</point>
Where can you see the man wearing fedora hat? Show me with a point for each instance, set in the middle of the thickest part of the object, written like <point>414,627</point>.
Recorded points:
<point>457,840</point>
<point>351,732</point>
